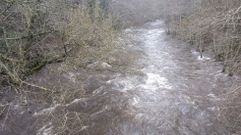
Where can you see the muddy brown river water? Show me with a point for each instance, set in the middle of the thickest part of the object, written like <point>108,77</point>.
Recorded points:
<point>176,92</point>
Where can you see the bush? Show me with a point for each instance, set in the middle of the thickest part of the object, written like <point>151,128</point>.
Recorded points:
<point>213,26</point>
<point>37,33</point>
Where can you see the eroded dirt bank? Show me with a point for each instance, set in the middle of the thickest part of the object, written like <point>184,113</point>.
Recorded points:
<point>169,90</point>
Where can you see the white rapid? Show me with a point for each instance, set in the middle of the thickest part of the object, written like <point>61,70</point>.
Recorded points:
<point>175,92</point>
<point>170,90</point>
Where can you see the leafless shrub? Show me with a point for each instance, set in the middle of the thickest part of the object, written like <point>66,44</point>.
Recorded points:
<point>230,111</point>
<point>36,33</point>
<point>213,26</point>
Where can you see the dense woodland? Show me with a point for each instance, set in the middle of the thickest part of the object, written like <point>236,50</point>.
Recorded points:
<point>35,33</point>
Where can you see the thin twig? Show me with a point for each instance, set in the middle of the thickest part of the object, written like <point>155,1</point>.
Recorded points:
<point>5,119</point>
<point>5,38</point>
<point>28,36</point>
<point>9,59</point>
<point>34,85</point>
<point>8,7</point>
<point>231,92</point>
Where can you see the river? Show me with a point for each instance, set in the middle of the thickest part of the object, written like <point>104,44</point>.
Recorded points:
<point>170,91</point>
<point>176,94</point>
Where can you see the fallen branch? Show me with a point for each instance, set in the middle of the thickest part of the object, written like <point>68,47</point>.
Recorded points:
<point>19,81</point>
<point>35,86</point>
